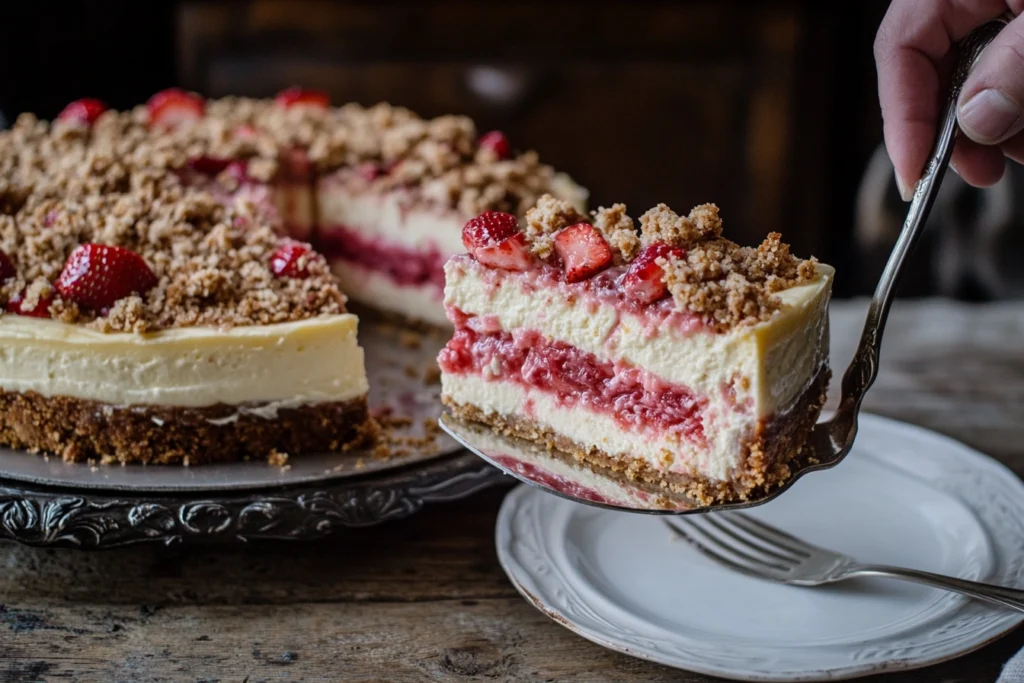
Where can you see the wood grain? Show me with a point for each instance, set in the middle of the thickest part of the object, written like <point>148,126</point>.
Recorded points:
<point>425,599</point>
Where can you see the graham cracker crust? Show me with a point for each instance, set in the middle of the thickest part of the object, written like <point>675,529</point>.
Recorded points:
<point>81,430</point>
<point>766,461</point>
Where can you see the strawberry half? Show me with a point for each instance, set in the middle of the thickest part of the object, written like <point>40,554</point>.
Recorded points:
<point>173,106</point>
<point>85,110</point>
<point>98,275</point>
<point>497,142</point>
<point>291,259</point>
<point>488,229</point>
<point>583,250</point>
<point>295,95</point>
<point>495,240</point>
<point>16,305</point>
<point>7,270</point>
<point>512,253</point>
<point>644,280</point>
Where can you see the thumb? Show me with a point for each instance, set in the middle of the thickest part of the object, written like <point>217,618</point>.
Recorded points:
<point>989,110</point>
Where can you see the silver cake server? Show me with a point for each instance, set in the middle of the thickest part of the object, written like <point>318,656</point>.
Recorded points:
<point>829,441</point>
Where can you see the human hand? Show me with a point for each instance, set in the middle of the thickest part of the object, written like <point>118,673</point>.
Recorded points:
<point>913,54</point>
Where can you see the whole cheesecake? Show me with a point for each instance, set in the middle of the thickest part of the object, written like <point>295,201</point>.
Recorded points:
<point>673,359</point>
<point>173,278</point>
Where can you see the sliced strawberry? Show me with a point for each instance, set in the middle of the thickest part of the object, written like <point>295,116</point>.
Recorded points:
<point>85,111</point>
<point>291,259</point>
<point>41,309</point>
<point>512,253</point>
<point>497,143</point>
<point>488,229</point>
<point>644,280</point>
<point>173,106</point>
<point>583,250</point>
<point>208,165</point>
<point>98,275</point>
<point>7,270</point>
<point>296,95</point>
<point>244,132</point>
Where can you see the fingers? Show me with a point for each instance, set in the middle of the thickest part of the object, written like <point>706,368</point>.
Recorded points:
<point>979,165</point>
<point>989,110</point>
<point>912,40</point>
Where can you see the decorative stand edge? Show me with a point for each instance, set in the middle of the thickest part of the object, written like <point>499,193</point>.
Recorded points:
<point>89,520</point>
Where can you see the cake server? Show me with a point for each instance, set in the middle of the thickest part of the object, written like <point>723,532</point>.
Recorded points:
<point>830,441</point>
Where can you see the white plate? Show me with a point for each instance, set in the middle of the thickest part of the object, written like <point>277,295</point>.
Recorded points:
<point>904,496</point>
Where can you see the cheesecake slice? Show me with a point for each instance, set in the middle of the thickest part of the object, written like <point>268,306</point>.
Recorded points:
<point>672,359</point>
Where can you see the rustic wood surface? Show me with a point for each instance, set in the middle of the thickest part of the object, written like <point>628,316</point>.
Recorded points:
<point>425,599</point>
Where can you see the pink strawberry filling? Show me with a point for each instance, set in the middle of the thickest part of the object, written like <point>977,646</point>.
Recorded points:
<point>405,265</point>
<point>635,398</point>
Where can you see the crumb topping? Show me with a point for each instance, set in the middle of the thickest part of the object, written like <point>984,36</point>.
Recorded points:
<point>208,237</point>
<point>211,257</point>
<point>720,281</point>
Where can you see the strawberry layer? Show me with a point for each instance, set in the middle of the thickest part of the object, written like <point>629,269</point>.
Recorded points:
<point>406,266</point>
<point>636,399</point>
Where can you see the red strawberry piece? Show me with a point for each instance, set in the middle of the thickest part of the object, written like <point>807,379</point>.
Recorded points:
<point>296,95</point>
<point>208,165</point>
<point>170,107</point>
<point>583,250</point>
<point>85,111</point>
<point>369,171</point>
<point>41,309</point>
<point>291,259</point>
<point>489,229</point>
<point>512,253</point>
<point>7,270</point>
<point>245,131</point>
<point>644,280</point>
<point>497,143</point>
<point>98,275</point>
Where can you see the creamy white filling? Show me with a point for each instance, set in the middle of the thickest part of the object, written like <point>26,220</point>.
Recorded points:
<point>391,216</point>
<point>285,364</point>
<point>767,364</point>
<point>377,289</point>
<point>727,430</point>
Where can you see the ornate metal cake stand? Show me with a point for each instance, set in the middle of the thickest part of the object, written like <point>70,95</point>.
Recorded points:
<point>46,502</point>
<point>83,518</point>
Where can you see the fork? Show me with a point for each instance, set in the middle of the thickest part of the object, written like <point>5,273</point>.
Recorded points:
<point>751,547</point>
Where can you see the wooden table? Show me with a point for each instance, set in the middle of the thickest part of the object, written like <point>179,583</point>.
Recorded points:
<point>425,598</point>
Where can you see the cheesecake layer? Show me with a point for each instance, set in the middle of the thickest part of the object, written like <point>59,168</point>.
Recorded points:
<point>765,366</point>
<point>273,366</point>
<point>380,292</point>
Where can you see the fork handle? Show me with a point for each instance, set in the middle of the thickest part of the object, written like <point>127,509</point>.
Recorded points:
<point>1007,597</point>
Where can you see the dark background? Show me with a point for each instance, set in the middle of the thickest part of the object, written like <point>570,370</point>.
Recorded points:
<point>767,108</point>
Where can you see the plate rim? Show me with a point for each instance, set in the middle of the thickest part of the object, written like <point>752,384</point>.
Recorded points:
<point>1012,621</point>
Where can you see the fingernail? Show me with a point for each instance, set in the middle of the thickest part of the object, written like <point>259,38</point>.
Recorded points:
<point>988,116</point>
<point>905,194</point>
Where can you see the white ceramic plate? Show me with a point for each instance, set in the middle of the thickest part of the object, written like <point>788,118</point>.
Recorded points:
<point>904,496</point>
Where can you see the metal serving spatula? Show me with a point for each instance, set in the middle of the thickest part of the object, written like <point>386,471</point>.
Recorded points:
<point>829,441</point>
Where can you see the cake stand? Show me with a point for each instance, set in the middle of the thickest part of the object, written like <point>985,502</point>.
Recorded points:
<point>47,502</point>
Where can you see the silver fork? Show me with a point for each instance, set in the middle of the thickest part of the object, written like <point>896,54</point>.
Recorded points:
<point>752,547</point>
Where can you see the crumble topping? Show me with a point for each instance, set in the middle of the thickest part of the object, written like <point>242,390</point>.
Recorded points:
<point>211,258</point>
<point>723,283</point>
<point>125,182</point>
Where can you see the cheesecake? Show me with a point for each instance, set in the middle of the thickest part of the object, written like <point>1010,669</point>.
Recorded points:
<point>670,358</point>
<point>175,279</point>
<point>156,304</point>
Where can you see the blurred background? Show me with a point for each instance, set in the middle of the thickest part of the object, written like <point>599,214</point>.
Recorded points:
<point>767,107</point>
